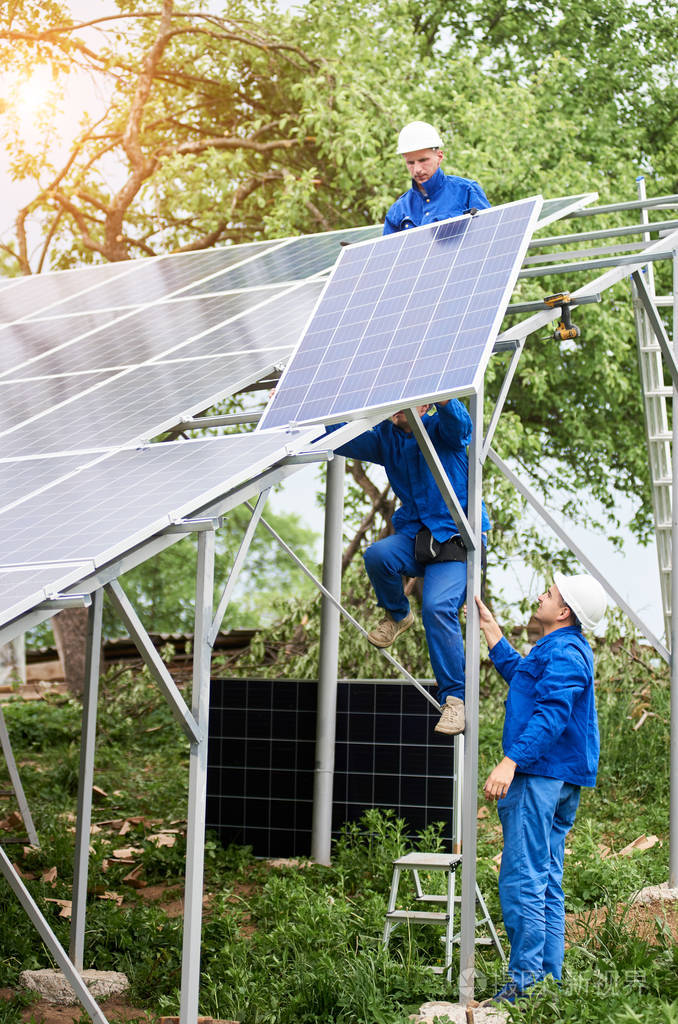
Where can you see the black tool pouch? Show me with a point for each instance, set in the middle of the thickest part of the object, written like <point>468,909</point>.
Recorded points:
<point>427,549</point>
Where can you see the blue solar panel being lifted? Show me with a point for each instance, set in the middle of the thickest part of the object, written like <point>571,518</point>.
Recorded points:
<point>406,318</point>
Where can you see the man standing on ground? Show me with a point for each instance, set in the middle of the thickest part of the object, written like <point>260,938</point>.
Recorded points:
<point>551,749</point>
<point>433,195</point>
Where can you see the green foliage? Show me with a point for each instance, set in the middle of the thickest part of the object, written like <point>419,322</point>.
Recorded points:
<point>247,123</point>
<point>291,648</point>
<point>290,944</point>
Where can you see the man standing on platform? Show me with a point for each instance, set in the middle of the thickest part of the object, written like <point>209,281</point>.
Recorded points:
<point>426,542</point>
<point>551,749</point>
<point>433,195</point>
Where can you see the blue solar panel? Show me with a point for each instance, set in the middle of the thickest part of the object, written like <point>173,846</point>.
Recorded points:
<point>406,318</point>
<point>81,518</point>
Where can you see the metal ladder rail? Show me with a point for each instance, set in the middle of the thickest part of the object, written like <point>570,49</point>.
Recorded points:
<point>657,431</point>
<point>658,440</point>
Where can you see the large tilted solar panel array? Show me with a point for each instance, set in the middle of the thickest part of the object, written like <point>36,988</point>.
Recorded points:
<point>406,318</point>
<point>52,536</point>
<point>104,358</point>
<point>123,354</point>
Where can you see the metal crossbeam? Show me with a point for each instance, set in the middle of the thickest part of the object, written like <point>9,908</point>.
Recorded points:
<point>440,476</point>
<point>590,566</point>
<point>347,615</point>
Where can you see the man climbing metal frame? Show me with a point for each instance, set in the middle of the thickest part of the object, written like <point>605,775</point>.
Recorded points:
<point>426,543</point>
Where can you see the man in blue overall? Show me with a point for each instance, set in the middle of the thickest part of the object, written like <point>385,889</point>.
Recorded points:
<point>423,525</point>
<point>433,195</point>
<point>551,749</point>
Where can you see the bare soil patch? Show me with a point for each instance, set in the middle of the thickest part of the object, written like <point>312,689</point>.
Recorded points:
<point>42,1012</point>
<point>641,918</point>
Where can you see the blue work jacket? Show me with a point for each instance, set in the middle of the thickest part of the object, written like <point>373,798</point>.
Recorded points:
<point>551,726</point>
<point>446,195</point>
<point>450,430</point>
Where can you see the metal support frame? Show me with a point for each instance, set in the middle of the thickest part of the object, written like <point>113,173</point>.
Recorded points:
<point>15,779</point>
<point>237,566</point>
<point>197,782</point>
<point>673,757</point>
<point>323,780</point>
<point>86,780</point>
<point>51,942</point>
<point>152,659</point>
<point>347,615</point>
<point>470,784</point>
<point>440,476</point>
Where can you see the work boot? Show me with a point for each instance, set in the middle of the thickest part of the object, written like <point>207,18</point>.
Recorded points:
<point>508,994</point>
<point>453,719</point>
<point>388,630</point>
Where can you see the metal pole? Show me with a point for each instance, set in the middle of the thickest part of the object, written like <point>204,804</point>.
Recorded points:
<point>90,698</point>
<point>197,782</point>
<point>642,195</point>
<point>470,775</point>
<point>323,782</point>
<point>15,778</point>
<point>49,938</point>
<point>673,827</point>
<point>457,792</point>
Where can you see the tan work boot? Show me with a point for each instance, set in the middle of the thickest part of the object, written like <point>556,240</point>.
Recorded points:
<point>453,719</point>
<point>388,629</point>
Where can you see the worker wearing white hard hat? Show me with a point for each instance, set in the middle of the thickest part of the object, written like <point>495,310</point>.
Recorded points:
<point>551,748</point>
<point>433,195</point>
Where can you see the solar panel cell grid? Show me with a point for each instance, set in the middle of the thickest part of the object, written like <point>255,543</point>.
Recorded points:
<point>120,500</point>
<point>394,306</point>
<point>142,335</point>
<point>143,400</point>
<point>22,589</point>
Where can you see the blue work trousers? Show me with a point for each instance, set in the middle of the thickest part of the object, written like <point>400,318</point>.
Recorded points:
<point>391,558</point>
<point>536,814</point>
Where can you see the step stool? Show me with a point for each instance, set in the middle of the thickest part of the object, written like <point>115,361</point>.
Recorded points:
<point>447,862</point>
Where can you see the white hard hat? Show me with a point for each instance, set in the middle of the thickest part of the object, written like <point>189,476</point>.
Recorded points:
<point>584,596</point>
<point>418,135</point>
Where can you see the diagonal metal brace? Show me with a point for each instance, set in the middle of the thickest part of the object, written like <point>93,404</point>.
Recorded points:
<point>441,479</point>
<point>154,662</point>
<point>347,615</point>
<point>238,563</point>
<point>657,325</point>
<point>49,938</point>
<point>536,504</point>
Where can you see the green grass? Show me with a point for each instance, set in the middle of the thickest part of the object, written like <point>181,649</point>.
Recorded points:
<point>302,946</point>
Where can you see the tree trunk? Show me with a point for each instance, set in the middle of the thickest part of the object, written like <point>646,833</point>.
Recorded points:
<point>70,633</point>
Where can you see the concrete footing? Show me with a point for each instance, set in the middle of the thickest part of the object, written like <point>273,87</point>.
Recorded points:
<point>459,1014</point>
<point>54,987</point>
<point>656,892</point>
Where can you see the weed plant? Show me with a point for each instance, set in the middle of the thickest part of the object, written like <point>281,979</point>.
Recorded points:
<point>301,944</point>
